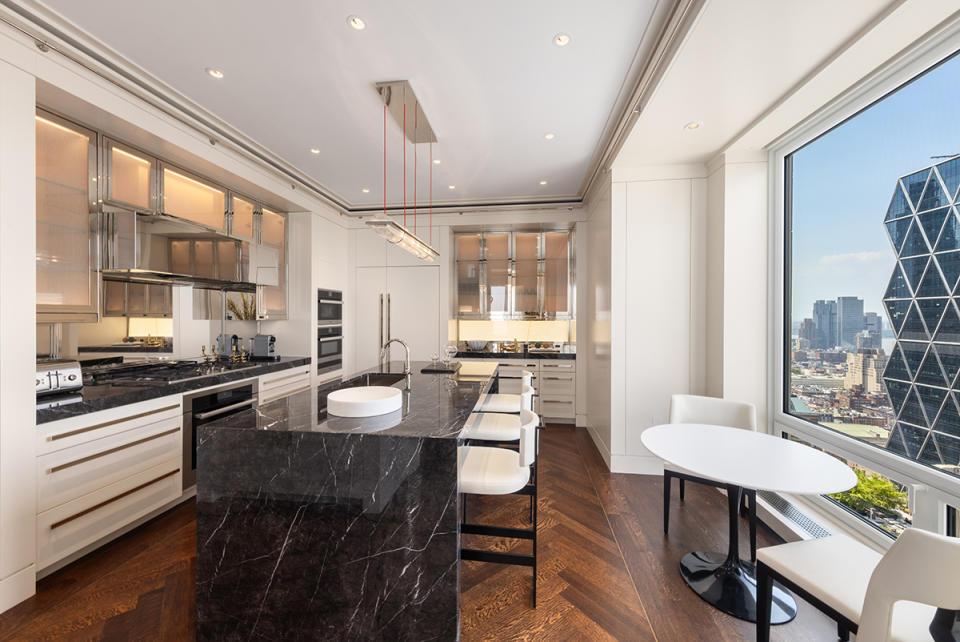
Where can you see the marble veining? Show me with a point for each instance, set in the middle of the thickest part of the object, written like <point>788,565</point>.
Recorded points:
<point>313,527</point>
<point>93,398</point>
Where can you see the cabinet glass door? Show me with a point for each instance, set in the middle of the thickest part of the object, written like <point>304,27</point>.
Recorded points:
<point>526,274</point>
<point>136,299</point>
<point>497,248</point>
<point>160,300</point>
<point>193,200</point>
<point>273,233</point>
<point>556,273</point>
<point>129,177</point>
<point>114,293</point>
<point>67,247</point>
<point>469,274</point>
<point>243,216</point>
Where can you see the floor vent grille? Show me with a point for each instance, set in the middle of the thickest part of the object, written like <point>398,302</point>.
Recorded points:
<point>794,514</point>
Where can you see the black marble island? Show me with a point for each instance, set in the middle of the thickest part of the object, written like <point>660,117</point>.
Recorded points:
<point>312,527</point>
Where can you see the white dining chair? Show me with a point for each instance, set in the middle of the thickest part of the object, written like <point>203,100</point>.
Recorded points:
<point>694,409</point>
<point>881,598</point>
<point>485,470</point>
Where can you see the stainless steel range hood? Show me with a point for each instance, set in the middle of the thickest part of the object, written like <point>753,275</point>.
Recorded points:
<point>158,248</point>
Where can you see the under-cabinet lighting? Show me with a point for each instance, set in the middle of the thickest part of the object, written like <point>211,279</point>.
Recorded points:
<point>60,127</point>
<point>117,150</point>
<point>191,180</point>
<point>402,237</point>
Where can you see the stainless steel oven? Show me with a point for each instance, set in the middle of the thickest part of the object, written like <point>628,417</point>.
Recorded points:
<point>329,348</point>
<point>329,307</point>
<point>205,407</point>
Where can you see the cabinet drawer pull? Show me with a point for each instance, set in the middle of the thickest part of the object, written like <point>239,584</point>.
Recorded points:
<point>112,499</point>
<point>557,401</point>
<point>64,435</point>
<point>557,365</point>
<point>273,382</point>
<point>104,453</point>
<point>558,379</point>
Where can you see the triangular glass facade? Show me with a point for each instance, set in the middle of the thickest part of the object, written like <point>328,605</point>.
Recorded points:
<point>922,375</point>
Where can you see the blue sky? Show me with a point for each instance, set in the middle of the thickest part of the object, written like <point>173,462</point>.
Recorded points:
<point>844,180</point>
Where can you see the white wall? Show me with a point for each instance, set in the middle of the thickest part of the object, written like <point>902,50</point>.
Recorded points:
<point>17,335</point>
<point>593,327</point>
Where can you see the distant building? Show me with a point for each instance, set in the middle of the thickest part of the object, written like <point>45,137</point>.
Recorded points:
<point>850,320</point>
<point>925,359</point>
<point>808,331</point>
<point>868,340</point>
<point>825,321</point>
<point>865,370</point>
<point>873,322</point>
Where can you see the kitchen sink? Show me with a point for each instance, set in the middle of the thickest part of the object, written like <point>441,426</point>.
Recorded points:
<point>373,379</point>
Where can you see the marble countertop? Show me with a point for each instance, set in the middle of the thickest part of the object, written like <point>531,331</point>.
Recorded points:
<point>436,406</point>
<point>466,354</point>
<point>93,398</point>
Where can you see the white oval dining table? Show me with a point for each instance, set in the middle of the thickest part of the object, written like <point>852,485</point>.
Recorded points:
<point>741,459</point>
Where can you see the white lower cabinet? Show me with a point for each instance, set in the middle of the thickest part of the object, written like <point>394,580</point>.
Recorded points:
<point>67,528</point>
<point>281,384</point>
<point>554,382</point>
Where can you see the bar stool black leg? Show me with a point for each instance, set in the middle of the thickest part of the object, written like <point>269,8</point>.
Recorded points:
<point>753,524</point>
<point>682,488</point>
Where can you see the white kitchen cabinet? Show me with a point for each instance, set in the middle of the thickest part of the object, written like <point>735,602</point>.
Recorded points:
<point>407,299</point>
<point>284,383</point>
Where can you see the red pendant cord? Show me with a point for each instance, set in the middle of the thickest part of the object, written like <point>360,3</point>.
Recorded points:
<point>431,193</point>
<point>384,161</point>
<point>404,161</point>
<point>415,110</point>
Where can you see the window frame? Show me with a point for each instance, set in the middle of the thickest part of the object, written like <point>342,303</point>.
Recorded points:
<point>944,489</point>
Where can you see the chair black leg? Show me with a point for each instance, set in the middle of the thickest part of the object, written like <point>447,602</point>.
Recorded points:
<point>743,504</point>
<point>764,600</point>
<point>536,508</point>
<point>682,488</point>
<point>667,479</point>
<point>842,633</point>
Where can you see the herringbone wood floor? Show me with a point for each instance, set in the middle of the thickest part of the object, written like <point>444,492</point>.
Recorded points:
<point>606,569</point>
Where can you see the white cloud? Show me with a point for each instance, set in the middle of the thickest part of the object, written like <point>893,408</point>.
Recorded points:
<point>855,258</point>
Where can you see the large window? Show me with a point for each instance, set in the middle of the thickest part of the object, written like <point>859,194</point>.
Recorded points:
<point>873,262</point>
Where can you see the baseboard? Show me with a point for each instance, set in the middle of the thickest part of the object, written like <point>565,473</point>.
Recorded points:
<point>17,587</point>
<point>599,445</point>
<point>581,421</point>
<point>636,464</point>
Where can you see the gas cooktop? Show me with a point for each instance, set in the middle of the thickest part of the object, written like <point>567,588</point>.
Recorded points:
<point>156,372</point>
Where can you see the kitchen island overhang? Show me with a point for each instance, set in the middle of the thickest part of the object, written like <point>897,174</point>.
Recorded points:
<point>317,527</point>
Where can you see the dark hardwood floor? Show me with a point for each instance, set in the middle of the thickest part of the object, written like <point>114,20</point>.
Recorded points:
<point>607,572</point>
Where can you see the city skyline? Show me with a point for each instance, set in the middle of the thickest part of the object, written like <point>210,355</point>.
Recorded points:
<point>843,184</point>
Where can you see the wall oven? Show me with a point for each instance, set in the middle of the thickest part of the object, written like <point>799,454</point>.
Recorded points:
<point>330,307</point>
<point>329,348</point>
<point>205,407</point>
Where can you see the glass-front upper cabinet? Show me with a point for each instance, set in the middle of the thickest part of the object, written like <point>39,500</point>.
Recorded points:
<point>193,199</point>
<point>556,273</point>
<point>130,177</point>
<point>469,257</point>
<point>527,275</point>
<point>67,239</point>
<point>243,215</point>
<point>497,253</point>
<point>273,234</point>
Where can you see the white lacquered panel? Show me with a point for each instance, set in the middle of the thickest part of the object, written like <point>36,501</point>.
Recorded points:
<point>558,384</point>
<point>70,473</point>
<point>64,433</point>
<point>749,459</point>
<point>557,407</point>
<point>71,526</point>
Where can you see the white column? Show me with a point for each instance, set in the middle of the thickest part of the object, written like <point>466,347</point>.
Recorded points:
<point>17,335</point>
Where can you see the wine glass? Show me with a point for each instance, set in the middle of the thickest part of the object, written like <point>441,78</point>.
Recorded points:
<point>435,358</point>
<point>449,352</point>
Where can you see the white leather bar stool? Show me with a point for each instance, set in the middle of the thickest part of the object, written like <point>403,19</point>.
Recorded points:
<point>498,471</point>
<point>507,403</point>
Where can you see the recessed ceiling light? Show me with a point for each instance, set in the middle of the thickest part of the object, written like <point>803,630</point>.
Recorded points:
<point>314,150</point>
<point>356,22</point>
<point>436,161</point>
<point>696,124</point>
<point>365,190</point>
<point>451,187</point>
<point>543,182</point>
<point>549,136</point>
<point>214,73</point>
<point>561,40</point>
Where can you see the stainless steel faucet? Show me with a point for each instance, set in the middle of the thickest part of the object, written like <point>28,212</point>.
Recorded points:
<point>406,360</point>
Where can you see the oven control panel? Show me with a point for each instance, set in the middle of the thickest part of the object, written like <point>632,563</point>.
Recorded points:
<point>58,375</point>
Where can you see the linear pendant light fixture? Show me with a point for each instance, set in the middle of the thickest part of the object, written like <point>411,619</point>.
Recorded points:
<point>396,97</point>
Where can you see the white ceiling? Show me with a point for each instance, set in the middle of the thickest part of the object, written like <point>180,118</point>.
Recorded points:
<point>488,75</point>
<point>738,61</point>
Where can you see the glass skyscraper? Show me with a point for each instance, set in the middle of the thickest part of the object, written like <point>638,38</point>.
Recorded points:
<point>921,301</point>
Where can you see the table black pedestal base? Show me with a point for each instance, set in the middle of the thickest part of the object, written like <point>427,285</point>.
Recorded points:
<point>733,588</point>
